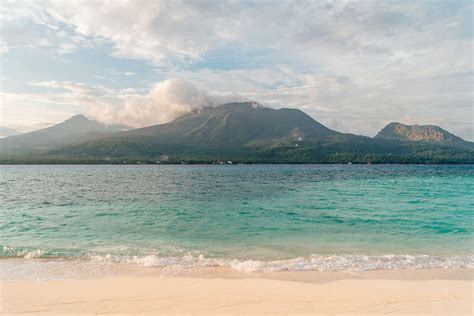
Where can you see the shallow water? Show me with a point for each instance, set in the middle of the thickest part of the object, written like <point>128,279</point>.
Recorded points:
<point>249,218</point>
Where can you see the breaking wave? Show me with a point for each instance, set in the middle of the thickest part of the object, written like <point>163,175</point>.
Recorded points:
<point>311,263</point>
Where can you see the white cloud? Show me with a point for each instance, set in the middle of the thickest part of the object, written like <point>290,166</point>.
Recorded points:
<point>356,65</point>
<point>80,88</point>
<point>150,30</point>
<point>334,101</point>
<point>166,101</point>
<point>358,107</point>
<point>116,72</point>
<point>3,46</point>
<point>331,31</point>
<point>22,113</point>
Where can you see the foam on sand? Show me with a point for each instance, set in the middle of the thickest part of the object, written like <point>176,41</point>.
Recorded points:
<point>312,263</point>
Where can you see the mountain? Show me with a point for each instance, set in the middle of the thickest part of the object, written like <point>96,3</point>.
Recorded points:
<point>425,133</point>
<point>244,132</point>
<point>74,130</point>
<point>226,131</point>
<point>238,124</point>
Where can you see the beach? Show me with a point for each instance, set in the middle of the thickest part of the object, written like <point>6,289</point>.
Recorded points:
<point>237,240</point>
<point>235,157</point>
<point>437,291</point>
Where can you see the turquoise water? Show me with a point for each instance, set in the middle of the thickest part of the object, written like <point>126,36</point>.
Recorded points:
<point>250,218</point>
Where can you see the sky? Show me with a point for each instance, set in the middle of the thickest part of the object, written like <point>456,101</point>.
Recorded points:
<point>352,65</point>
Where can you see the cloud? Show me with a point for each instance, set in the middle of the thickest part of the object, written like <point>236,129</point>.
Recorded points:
<point>172,31</point>
<point>77,88</point>
<point>3,46</point>
<point>116,72</point>
<point>353,64</point>
<point>22,113</point>
<point>166,101</point>
<point>361,105</point>
<point>150,30</point>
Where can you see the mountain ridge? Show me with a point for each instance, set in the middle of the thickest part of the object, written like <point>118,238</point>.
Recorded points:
<point>74,129</point>
<point>222,122</point>
<point>250,133</point>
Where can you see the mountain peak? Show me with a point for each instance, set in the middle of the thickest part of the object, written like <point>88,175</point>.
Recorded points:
<point>241,131</point>
<point>78,118</point>
<point>243,104</point>
<point>232,106</point>
<point>75,129</point>
<point>431,133</point>
<point>238,124</point>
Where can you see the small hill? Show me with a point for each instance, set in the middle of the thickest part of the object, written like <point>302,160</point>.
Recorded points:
<point>426,133</point>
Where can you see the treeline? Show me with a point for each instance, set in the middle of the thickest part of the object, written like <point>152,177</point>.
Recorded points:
<point>337,158</point>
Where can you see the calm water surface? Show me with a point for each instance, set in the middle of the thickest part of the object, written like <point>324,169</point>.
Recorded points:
<point>251,218</point>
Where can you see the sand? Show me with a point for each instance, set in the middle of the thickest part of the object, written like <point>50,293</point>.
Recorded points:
<point>418,292</point>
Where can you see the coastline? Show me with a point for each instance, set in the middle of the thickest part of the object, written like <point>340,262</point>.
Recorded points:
<point>222,291</point>
<point>237,240</point>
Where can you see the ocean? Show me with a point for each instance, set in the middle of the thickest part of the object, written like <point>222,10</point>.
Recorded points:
<point>244,217</point>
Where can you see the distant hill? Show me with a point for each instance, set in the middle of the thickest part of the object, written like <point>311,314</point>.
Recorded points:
<point>76,129</point>
<point>426,133</point>
<point>243,132</point>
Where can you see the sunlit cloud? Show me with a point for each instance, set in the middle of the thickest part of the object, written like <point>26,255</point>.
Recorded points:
<point>353,65</point>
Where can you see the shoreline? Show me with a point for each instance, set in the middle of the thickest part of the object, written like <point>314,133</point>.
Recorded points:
<point>43,270</point>
<point>2,163</point>
<point>60,268</point>
<point>430,291</point>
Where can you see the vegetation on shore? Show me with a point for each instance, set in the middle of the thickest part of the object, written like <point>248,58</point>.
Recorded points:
<point>234,133</point>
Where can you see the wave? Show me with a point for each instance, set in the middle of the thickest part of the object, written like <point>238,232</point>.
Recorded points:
<point>27,253</point>
<point>313,262</point>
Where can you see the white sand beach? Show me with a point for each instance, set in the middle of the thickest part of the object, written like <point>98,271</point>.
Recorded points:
<point>443,292</point>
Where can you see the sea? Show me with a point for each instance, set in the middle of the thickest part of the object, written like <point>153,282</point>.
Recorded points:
<point>247,218</point>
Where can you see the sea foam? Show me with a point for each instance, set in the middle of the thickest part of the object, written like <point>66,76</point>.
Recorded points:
<point>314,262</point>
<point>311,263</point>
